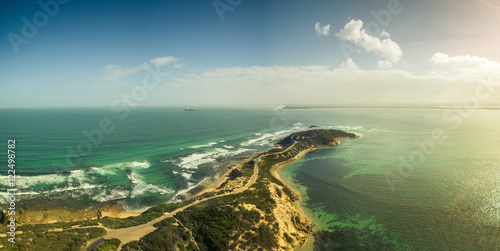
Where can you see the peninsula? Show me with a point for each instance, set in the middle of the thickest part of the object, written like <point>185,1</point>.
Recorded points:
<point>250,208</point>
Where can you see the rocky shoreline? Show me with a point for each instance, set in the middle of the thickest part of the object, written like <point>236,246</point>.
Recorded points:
<point>60,214</point>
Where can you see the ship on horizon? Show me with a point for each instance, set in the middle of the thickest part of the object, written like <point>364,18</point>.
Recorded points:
<point>189,109</point>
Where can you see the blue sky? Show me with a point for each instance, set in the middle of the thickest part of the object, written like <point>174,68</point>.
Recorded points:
<point>91,53</point>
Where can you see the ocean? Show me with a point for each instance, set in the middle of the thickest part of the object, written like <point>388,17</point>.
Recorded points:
<point>82,157</point>
<point>416,179</point>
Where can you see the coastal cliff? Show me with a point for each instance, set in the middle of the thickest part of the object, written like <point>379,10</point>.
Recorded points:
<point>251,208</point>
<point>294,227</point>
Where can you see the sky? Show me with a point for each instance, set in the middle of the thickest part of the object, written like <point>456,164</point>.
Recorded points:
<point>68,53</point>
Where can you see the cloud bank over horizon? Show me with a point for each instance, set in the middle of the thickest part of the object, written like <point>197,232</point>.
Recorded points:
<point>323,84</point>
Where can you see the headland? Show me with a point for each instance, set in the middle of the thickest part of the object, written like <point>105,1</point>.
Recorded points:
<point>249,208</point>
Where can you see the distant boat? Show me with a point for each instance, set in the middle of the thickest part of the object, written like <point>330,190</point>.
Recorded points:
<point>189,110</point>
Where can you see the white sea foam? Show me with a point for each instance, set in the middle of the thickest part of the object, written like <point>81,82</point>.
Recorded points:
<point>342,127</point>
<point>115,168</point>
<point>58,192</point>
<point>124,165</point>
<point>23,182</point>
<point>186,175</point>
<point>83,187</point>
<point>103,171</point>
<point>77,182</point>
<point>144,164</point>
<point>269,138</point>
<point>193,161</point>
<point>260,141</point>
<point>111,194</point>
<point>77,177</point>
<point>206,145</point>
<point>132,177</point>
<point>140,186</point>
<point>298,125</point>
<point>96,192</point>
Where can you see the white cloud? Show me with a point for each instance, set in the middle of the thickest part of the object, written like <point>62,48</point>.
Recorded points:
<point>178,66</point>
<point>385,48</point>
<point>322,30</point>
<point>163,61</point>
<point>384,34</point>
<point>384,64</point>
<point>465,64</point>
<point>349,64</point>
<point>111,73</point>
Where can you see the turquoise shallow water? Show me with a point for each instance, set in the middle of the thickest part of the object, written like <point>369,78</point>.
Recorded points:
<point>396,187</point>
